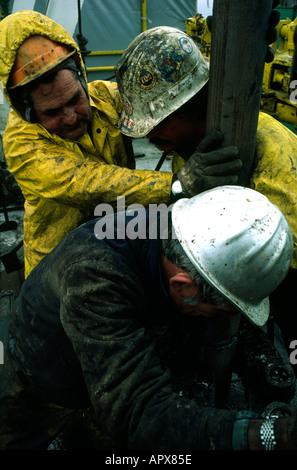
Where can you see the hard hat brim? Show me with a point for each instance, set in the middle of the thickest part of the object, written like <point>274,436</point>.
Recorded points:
<point>21,77</point>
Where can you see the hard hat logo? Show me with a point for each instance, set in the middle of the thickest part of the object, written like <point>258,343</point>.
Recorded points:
<point>186,45</point>
<point>169,65</point>
<point>127,106</point>
<point>146,79</point>
<point>128,124</point>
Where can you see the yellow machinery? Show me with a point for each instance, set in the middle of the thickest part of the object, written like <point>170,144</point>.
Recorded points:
<point>197,27</point>
<point>279,99</point>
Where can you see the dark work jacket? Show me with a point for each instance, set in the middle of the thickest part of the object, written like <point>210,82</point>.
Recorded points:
<point>81,334</point>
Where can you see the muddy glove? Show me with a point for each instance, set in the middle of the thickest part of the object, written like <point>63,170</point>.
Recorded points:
<point>209,166</point>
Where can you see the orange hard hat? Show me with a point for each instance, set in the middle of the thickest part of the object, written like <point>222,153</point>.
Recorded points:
<point>36,56</point>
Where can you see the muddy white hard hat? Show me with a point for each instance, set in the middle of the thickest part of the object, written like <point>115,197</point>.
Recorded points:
<point>239,242</point>
<point>161,69</point>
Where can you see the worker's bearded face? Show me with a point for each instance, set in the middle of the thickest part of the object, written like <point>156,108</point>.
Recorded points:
<point>62,106</point>
<point>179,132</point>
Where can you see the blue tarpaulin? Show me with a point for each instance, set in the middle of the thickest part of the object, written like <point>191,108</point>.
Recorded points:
<point>110,26</point>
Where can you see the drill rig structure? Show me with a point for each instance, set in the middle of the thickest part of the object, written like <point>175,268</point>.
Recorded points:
<point>279,90</point>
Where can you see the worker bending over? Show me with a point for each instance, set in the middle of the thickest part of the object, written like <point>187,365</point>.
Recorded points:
<point>83,331</point>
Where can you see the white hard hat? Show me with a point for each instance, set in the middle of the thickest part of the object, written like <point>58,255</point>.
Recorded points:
<point>239,242</point>
<point>161,69</point>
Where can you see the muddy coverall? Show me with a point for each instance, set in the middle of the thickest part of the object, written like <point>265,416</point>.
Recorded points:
<point>82,334</point>
<point>62,180</point>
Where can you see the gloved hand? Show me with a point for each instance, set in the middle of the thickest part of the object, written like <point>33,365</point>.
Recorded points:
<point>209,166</point>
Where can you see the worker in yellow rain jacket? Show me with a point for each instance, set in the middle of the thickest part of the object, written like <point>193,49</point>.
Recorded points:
<point>164,101</point>
<point>62,142</point>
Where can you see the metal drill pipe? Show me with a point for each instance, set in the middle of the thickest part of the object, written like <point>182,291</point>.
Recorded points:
<point>238,49</point>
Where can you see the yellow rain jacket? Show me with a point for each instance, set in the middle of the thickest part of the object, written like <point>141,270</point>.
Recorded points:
<point>62,180</point>
<point>275,169</point>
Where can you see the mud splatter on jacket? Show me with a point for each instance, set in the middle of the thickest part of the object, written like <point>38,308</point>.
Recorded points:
<point>62,180</point>
<point>82,334</point>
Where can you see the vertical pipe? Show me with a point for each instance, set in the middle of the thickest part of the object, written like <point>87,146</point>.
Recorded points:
<point>238,49</point>
<point>219,344</point>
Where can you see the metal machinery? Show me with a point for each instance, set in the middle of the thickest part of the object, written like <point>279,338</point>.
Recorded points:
<point>197,27</point>
<point>278,98</point>
<point>279,91</point>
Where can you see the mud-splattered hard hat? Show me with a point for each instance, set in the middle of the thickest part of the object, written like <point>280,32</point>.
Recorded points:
<point>36,56</point>
<point>161,69</point>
